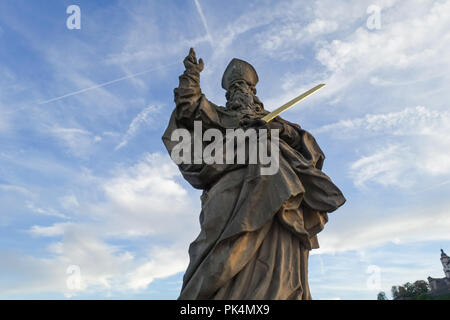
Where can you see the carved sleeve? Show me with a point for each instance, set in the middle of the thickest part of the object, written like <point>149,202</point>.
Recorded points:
<point>187,95</point>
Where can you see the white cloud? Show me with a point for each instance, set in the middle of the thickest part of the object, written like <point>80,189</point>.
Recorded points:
<point>406,51</point>
<point>420,224</point>
<point>46,212</point>
<point>388,166</point>
<point>165,262</point>
<point>397,264</point>
<point>139,202</point>
<point>418,120</point>
<point>423,149</point>
<point>14,188</point>
<point>147,199</point>
<point>142,42</point>
<point>49,231</point>
<point>283,41</point>
<point>288,35</point>
<point>79,142</point>
<point>320,26</point>
<point>101,265</point>
<point>405,41</point>
<point>69,202</point>
<point>145,117</point>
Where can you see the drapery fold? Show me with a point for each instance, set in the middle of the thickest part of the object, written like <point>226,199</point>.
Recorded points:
<point>256,230</point>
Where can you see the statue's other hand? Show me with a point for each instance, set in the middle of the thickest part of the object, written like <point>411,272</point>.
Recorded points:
<point>191,64</point>
<point>252,123</point>
<point>275,125</point>
<point>261,124</point>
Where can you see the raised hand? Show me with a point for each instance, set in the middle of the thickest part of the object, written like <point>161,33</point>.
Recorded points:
<point>191,64</point>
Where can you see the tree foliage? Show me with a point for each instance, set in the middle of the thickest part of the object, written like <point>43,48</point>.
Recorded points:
<point>382,296</point>
<point>410,290</point>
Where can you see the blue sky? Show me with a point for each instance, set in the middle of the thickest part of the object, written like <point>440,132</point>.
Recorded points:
<point>86,181</point>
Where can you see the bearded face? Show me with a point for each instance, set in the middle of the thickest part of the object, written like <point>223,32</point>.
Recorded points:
<point>241,96</point>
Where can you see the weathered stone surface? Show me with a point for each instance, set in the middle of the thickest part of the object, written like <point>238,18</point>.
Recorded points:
<point>256,230</point>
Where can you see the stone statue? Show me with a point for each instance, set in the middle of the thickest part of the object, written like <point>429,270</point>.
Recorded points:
<point>256,230</point>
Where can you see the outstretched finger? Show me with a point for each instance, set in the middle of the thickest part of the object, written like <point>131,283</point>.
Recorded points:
<point>192,55</point>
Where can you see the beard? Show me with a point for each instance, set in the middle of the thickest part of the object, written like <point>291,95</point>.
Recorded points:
<point>242,100</point>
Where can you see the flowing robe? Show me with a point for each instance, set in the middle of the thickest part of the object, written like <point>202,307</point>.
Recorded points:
<point>256,230</point>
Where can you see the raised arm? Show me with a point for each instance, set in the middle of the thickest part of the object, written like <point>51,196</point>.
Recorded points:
<point>188,92</point>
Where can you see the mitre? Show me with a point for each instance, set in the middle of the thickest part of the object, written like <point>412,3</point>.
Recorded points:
<point>239,70</point>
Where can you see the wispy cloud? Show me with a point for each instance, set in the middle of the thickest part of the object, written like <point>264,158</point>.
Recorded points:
<point>418,120</point>
<point>78,141</point>
<point>205,24</point>
<point>14,188</point>
<point>47,212</point>
<point>365,51</point>
<point>165,262</point>
<point>104,84</point>
<point>425,134</point>
<point>388,166</point>
<point>419,224</point>
<point>49,231</point>
<point>145,117</point>
<point>141,201</point>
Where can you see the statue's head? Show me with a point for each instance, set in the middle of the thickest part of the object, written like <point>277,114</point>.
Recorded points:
<point>239,80</point>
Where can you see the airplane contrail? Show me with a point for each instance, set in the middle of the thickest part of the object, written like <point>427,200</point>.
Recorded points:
<point>202,16</point>
<point>106,83</point>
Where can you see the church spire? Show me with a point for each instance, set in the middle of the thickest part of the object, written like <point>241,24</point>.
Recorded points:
<point>445,263</point>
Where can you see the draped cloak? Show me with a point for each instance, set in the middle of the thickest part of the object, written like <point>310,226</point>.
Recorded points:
<point>256,230</point>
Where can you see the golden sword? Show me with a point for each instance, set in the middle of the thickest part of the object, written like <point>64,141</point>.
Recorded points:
<point>269,117</point>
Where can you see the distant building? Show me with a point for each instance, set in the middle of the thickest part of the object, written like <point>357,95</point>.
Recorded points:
<point>441,286</point>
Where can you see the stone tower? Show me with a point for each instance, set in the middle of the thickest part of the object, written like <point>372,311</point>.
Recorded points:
<point>445,259</point>
<point>441,286</point>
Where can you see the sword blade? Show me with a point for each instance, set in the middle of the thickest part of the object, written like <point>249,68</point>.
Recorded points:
<point>269,117</point>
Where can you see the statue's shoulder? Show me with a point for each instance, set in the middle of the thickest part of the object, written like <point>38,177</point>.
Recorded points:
<point>221,109</point>
<point>225,112</point>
